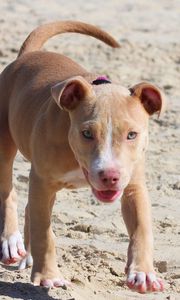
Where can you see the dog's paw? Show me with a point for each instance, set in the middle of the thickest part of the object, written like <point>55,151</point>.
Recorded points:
<point>50,283</point>
<point>55,282</point>
<point>25,262</point>
<point>144,282</point>
<point>12,248</point>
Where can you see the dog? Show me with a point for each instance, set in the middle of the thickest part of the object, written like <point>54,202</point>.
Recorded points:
<point>76,128</point>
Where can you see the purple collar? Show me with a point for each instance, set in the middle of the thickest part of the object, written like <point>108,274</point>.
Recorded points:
<point>101,80</point>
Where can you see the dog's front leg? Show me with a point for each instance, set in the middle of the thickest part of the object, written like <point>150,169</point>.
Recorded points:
<point>41,198</point>
<point>137,216</point>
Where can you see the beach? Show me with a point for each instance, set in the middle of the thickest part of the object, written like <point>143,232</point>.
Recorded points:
<point>91,238</point>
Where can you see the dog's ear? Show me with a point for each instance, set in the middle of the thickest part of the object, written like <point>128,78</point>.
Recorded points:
<point>70,92</point>
<point>150,96</point>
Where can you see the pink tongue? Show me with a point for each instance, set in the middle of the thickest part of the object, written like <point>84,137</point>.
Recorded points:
<point>106,196</point>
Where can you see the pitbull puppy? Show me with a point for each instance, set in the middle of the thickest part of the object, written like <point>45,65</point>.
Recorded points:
<point>76,128</point>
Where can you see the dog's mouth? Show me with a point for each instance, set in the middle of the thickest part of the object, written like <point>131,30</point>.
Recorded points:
<point>106,196</point>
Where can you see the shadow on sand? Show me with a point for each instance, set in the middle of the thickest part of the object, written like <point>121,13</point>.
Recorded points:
<point>25,291</point>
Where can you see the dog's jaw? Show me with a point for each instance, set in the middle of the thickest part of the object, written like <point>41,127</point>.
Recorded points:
<point>108,196</point>
<point>105,195</point>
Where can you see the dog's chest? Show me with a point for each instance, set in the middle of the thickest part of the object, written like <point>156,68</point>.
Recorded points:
<point>74,179</point>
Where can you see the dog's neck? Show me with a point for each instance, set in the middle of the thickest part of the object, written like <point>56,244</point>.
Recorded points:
<point>101,80</point>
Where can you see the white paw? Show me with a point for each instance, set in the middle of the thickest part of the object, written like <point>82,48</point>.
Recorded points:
<point>55,282</point>
<point>12,248</point>
<point>25,262</point>
<point>144,282</point>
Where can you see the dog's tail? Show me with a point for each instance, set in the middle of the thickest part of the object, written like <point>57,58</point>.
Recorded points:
<point>41,34</point>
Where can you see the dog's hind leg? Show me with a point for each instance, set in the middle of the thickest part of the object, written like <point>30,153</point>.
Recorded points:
<point>26,261</point>
<point>11,244</point>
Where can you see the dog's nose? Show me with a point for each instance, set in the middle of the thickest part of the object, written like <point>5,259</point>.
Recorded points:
<point>109,177</point>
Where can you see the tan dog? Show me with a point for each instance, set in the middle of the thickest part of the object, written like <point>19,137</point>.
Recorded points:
<point>75,128</point>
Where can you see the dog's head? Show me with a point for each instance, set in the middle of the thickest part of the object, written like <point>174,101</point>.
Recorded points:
<point>109,129</point>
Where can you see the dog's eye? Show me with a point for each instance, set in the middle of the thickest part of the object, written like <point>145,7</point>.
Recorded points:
<point>87,134</point>
<point>131,135</point>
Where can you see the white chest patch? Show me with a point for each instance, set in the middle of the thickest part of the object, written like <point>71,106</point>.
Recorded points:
<point>74,179</point>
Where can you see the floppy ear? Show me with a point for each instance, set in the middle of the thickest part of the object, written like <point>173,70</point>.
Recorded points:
<point>150,96</point>
<point>70,92</point>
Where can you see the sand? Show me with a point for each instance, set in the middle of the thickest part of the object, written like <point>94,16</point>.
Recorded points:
<point>91,238</point>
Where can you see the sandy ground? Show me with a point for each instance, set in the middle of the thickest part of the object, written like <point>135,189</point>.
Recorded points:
<point>91,238</point>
